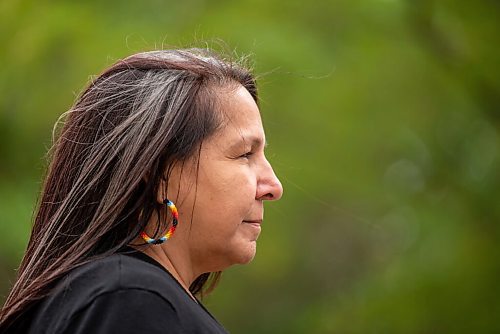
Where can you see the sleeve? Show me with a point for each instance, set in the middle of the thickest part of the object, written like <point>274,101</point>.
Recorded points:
<point>126,311</point>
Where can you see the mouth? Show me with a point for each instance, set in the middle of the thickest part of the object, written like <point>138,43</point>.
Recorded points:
<point>257,222</point>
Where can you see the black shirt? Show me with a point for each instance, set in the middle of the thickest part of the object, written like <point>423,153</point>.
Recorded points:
<point>125,293</point>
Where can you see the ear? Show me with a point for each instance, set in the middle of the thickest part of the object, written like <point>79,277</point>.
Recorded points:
<point>162,190</point>
<point>162,187</point>
<point>170,182</point>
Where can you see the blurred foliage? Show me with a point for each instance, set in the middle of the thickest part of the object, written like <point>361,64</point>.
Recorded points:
<point>383,119</point>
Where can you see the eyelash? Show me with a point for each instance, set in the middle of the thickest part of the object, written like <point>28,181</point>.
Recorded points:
<point>246,155</point>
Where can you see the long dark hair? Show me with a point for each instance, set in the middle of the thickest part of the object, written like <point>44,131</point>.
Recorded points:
<point>130,125</point>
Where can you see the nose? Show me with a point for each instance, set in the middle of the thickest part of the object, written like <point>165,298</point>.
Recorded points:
<point>269,187</point>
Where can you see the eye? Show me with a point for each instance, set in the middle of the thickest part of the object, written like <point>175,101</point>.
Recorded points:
<point>246,155</point>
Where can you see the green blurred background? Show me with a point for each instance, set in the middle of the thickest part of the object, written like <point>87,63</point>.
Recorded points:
<point>383,123</point>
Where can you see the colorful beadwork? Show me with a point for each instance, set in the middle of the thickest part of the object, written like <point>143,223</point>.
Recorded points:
<point>170,231</point>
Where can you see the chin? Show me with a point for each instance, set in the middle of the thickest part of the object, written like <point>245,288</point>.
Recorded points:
<point>247,254</point>
<point>242,253</point>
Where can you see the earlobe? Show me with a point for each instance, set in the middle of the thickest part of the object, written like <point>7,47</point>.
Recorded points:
<point>162,191</point>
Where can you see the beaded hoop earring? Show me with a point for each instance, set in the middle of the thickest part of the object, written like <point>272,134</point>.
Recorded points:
<point>171,230</point>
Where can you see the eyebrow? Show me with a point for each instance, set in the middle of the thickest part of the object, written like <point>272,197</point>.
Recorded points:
<point>253,141</point>
<point>256,142</point>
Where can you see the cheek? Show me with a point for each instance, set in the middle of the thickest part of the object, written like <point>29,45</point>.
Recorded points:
<point>224,196</point>
<point>221,206</point>
<point>238,197</point>
<point>222,203</point>
<point>229,185</point>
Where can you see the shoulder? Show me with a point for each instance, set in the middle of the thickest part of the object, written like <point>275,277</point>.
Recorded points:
<point>123,311</point>
<point>121,294</point>
<point>115,273</point>
<point>118,286</point>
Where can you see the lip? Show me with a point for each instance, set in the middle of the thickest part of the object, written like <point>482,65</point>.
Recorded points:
<point>253,222</point>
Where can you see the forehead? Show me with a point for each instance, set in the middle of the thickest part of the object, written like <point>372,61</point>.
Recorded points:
<point>241,116</point>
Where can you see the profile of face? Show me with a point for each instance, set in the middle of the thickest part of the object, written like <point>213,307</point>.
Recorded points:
<point>228,191</point>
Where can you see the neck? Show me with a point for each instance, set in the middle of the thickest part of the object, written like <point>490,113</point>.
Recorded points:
<point>178,268</point>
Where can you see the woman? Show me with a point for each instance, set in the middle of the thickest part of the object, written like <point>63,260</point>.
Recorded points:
<point>156,184</point>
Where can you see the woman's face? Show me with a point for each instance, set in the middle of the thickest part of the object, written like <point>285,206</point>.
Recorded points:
<point>234,180</point>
